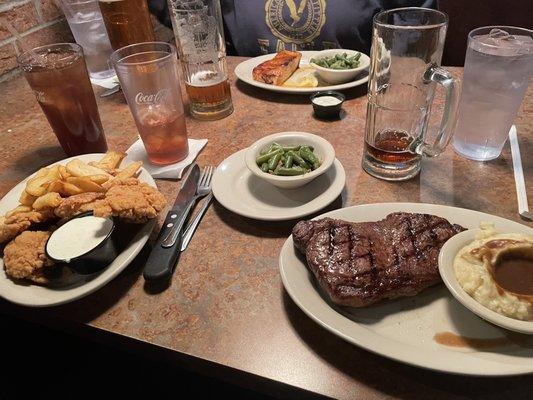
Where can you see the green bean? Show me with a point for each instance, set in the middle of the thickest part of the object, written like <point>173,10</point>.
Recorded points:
<point>291,148</point>
<point>291,171</point>
<point>308,155</point>
<point>273,162</point>
<point>289,160</point>
<point>299,160</point>
<point>265,157</point>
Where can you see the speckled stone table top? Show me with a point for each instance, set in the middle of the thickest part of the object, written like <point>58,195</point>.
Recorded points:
<point>225,312</point>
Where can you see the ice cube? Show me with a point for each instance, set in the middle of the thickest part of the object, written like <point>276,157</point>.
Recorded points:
<point>500,42</point>
<point>497,33</point>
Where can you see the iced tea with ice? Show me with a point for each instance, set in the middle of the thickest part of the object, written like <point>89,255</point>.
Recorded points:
<point>148,74</point>
<point>58,76</point>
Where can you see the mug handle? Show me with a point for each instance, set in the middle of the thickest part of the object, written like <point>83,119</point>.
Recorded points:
<point>449,117</point>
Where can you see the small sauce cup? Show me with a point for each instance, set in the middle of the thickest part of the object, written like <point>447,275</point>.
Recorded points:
<point>327,104</point>
<point>93,259</point>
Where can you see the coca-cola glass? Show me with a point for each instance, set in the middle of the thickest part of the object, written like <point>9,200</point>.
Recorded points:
<point>148,75</point>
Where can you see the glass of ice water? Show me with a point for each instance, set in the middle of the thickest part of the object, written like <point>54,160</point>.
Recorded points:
<point>498,66</point>
<point>87,26</point>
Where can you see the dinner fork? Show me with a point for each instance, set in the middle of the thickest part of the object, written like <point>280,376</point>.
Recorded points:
<point>204,189</point>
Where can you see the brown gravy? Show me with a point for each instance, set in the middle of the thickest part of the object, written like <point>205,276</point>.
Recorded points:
<point>453,340</point>
<point>515,274</point>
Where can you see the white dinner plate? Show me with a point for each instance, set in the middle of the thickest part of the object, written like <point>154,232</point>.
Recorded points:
<point>244,73</point>
<point>237,189</point>
<point>404,329</point>
<point>76,286</point>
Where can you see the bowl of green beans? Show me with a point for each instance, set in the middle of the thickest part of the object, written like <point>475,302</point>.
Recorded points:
<point>290,160</point>
<point>337,66</point>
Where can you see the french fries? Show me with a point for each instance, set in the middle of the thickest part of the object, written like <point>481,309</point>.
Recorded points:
<point>129,171</point>
<point>48,200</point>
<point>110,161</point>
<point>26,199</point>
<point>63,171</point>
<point>98,178</point>
<point>79,168</point>
<point>85,184</point>
<point>37,186</point>
<point>47,188</point>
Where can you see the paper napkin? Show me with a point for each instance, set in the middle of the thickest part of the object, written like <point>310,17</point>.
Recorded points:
<point>172,171</point>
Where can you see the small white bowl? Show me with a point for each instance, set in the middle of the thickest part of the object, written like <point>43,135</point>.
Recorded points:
<point>446,258</point>
<point>322,149</point>
<point>337,76</point>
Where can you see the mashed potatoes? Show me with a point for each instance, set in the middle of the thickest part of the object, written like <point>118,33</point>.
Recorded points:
<point>473,269</point>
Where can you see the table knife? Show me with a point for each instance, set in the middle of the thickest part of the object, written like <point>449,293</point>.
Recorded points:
<point>166,251</point>
<point>521,195</point>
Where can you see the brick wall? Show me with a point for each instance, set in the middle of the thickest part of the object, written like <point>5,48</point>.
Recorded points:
<point>39,22</point>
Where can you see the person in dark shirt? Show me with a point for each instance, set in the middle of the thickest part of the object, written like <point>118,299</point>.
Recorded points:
<point>255,27</point>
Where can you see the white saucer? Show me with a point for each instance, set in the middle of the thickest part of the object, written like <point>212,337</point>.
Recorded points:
<point>237,189</point>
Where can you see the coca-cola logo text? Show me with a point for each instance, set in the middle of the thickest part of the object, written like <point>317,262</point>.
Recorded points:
<point>153,98</point>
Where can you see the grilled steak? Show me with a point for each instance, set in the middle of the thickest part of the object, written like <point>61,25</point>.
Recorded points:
<point>279,69</point>
<point>358,264</point>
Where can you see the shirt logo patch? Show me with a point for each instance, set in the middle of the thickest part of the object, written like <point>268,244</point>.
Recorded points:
<point>294,21</point>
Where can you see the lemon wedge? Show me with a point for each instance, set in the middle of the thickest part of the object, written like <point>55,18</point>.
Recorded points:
<point>302,77</point>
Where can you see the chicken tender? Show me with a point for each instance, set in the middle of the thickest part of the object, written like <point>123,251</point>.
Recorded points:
<point>79,203</point>
<point>17,223</point>
<point>127,199</point>
<point>132,201</point>
<point>24,257</point>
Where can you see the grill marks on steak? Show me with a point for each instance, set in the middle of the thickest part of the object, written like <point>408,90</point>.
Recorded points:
<point>358,264</point>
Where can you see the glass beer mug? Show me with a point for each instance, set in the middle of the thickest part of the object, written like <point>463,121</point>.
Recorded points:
<point>407,45</point>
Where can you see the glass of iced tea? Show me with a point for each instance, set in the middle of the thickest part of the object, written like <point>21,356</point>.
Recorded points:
<point>407,46</point>
<point>58,76</point>
<point>200,40</point>
<point>127,22</point>
<point>148,74</point>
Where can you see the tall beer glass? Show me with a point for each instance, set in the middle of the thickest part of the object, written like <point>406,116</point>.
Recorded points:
<point>200,40</point>
<point>407,46</point>
<point>127,22</point>
<point>148,74</point>
<point>58,76</point>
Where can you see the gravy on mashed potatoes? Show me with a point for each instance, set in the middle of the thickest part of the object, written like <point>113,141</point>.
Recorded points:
<point>496,270</point>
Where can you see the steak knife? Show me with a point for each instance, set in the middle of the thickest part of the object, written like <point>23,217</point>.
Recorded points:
<point>166,250</point>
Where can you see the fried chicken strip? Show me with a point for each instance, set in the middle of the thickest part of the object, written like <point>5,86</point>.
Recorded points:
<point>127,199</point>
<point>132,201</point>
<point>17,223</point>
<point>25,258</point>
<point>78,204</point>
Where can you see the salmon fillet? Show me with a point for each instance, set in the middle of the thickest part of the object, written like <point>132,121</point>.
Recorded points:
<point>279,69</point>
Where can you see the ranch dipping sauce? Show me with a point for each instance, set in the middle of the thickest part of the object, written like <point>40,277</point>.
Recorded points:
<point>327,101</point>
<point>77,237</point>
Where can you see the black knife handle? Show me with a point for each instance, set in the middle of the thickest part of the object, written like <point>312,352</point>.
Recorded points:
<point>162,260</point>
